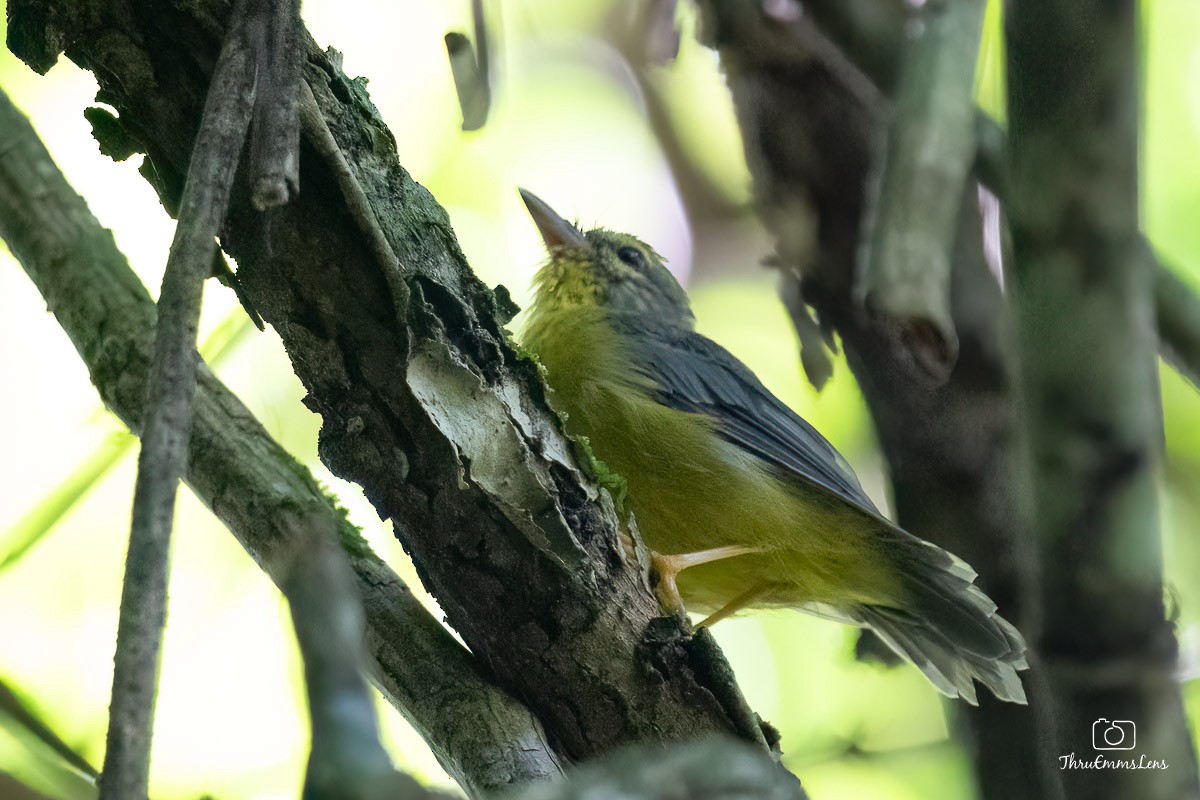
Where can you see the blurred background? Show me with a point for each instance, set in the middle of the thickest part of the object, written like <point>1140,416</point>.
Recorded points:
<point>653,151</point>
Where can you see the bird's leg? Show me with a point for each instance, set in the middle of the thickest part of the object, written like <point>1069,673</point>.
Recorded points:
<point>735,605</point>
<point>668,568</point>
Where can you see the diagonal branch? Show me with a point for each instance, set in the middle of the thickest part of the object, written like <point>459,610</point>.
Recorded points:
<point>170,391</point>
<point>424,401</point>
<point>1178,314</point>
<point>482,736</point>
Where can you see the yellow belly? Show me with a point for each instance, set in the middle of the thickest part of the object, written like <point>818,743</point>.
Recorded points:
<point>690,490</point>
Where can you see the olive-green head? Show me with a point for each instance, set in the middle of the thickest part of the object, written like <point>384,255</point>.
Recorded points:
<point>614,271</point>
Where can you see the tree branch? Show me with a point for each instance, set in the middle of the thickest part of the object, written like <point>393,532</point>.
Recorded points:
<point>1084,295</point>
<point>170,391</point>
<point>328,621</point>
<point>424,401</point>
<point>1177,308</point>
<point>482,736</point>
<point>471,67</point>
<point>913,222</point>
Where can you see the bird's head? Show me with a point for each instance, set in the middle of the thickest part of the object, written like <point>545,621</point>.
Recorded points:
<point>614,271</point>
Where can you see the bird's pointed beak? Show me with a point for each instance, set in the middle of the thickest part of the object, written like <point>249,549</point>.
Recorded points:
<point>556,232</point>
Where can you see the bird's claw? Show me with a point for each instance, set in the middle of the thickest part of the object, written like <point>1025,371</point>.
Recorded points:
<point>664,570</point>
<point>668,567</point>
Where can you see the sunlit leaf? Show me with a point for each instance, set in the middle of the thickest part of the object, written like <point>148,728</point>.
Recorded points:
<point>31,528</point>
<point>41,519</point>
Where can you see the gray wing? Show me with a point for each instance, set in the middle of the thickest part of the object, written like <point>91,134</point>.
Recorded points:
<point>692,373</point>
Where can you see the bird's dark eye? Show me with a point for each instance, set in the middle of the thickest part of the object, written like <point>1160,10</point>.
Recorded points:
<point>631,256</point>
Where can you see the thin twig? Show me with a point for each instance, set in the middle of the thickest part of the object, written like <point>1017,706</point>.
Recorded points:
<point>317,132</point>
<point>471,68</point>
<point>275,135</point>
<point>930,147</point>
<point>482,736</point>
<point>347,760</point>
<point>169,399</point>
<point>1178,308</point>
<point>12,706</point>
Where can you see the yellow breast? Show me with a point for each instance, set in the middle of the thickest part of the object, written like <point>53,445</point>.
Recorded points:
<point>689,489</point>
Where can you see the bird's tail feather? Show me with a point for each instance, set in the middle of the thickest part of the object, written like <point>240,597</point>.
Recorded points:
<point>946,625</point>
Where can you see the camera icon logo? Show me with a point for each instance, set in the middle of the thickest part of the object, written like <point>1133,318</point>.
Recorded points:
<point>1113,734</point>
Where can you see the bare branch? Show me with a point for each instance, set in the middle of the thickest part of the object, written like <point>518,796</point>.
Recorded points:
<point>359,207</point>
<point>930,147</point>
<point>471,68</point>
<point>170,392</point>
<point>483,737</point>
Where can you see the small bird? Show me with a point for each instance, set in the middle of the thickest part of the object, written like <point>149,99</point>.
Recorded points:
<point>742,503</point>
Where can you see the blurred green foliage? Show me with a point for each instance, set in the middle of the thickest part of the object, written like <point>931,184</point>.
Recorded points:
<point>573,122</point>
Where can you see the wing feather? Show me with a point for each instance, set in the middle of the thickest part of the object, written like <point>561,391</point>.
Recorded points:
<point>692,373</point>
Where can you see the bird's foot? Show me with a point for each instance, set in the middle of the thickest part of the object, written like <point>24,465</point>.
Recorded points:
<point>668,567</point>
<point>735,605</point>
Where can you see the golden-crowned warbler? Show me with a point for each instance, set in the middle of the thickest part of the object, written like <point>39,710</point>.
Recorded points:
<point>743,502</point>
